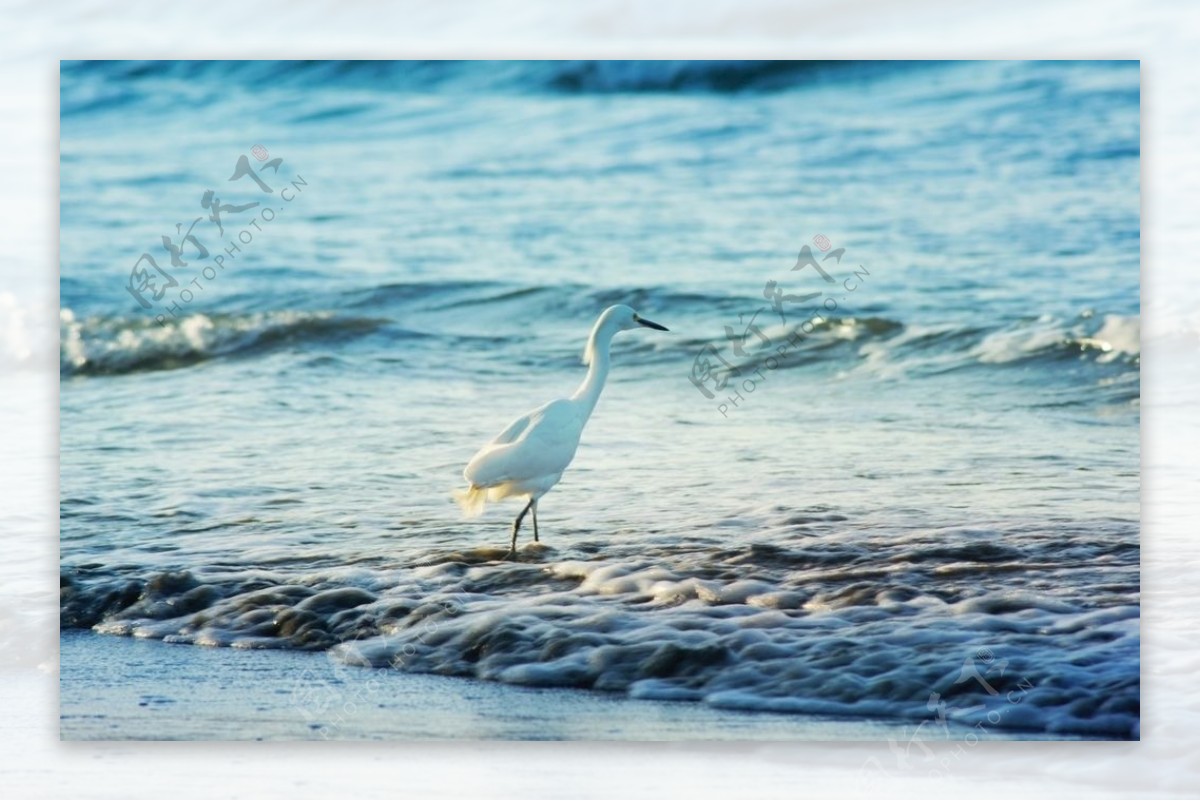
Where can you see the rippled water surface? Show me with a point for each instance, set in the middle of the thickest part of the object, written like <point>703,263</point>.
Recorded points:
<point>930,488</point>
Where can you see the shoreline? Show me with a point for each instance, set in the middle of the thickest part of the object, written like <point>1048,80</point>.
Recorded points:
<point>121,688</point>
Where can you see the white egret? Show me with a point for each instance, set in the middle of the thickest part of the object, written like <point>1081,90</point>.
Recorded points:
<point>528,458</point>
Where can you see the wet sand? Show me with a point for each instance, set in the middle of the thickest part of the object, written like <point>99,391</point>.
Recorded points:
<point>119,688</point>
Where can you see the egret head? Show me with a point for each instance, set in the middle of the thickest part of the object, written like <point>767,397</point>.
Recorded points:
<point>626,319</point>
<point>612,320</point>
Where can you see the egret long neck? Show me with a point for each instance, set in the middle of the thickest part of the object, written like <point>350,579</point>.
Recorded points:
<point>598,346</point>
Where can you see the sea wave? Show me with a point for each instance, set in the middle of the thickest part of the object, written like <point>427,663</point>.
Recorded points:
<point>697,76</point>
<point>100,86</point>
<point>1099,338</point>
<point>882,626</point>
<point>1117,338</point>
<point>114,346</point>
<point>930,348</point>
<point>487,315</point>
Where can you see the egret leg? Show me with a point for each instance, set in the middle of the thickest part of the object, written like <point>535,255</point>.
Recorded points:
<point>535,536</point>
<point>512,551</point>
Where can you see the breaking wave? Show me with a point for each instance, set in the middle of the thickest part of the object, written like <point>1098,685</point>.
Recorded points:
<point>108,346</point>
<point>845,623</point>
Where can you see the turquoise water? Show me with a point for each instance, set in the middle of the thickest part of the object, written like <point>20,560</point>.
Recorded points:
<point>935,477</point>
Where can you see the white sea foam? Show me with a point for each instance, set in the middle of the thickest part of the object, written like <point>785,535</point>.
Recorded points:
<point>773,627</point>
<point>1117,337</point>
<point>105,346</point>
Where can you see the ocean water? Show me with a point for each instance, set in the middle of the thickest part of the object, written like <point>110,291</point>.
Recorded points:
<point>917,500</point>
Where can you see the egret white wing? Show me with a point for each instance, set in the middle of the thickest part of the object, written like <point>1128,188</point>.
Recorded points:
<point>514,430</point>
<point>545,445</point>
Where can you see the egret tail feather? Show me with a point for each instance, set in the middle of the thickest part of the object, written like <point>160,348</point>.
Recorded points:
<point>471,500</point>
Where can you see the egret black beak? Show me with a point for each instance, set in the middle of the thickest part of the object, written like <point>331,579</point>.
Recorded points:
<point>648,324</point>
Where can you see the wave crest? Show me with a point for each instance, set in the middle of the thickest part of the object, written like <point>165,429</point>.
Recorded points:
<point>114,346</point>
